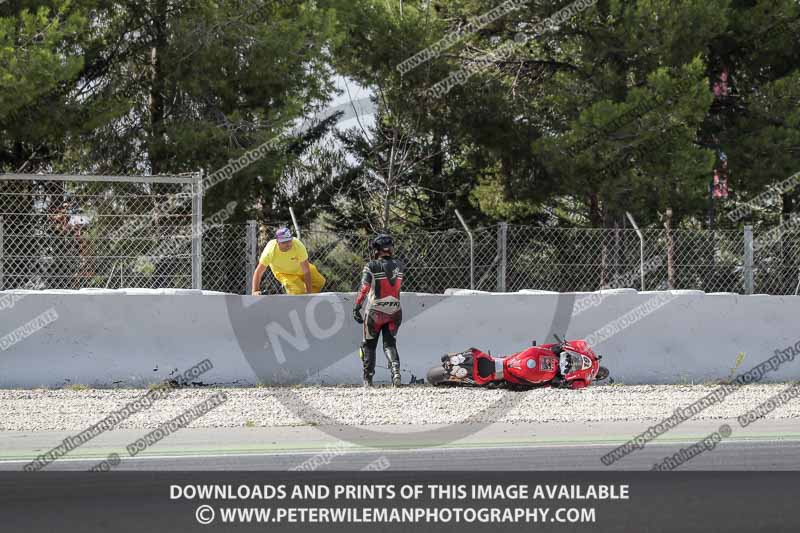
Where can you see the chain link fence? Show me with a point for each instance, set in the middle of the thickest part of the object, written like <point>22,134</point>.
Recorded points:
<point>59,233</point>
<point>777,260</point>
<point>512,258</point>
<point>434,261</point>
<point>580,259</point>
<point>591,259</point>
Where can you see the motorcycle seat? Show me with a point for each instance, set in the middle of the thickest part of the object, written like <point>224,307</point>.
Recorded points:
<point>485,367</point>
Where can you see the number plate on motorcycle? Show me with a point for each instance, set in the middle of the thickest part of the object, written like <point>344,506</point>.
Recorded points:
<point>548,363</point>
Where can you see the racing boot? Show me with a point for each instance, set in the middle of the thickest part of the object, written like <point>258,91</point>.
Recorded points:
<point>368,361</point>
<point>394,364</point>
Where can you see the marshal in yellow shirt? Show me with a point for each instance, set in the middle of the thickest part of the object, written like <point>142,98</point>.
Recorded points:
<point>284,262</point>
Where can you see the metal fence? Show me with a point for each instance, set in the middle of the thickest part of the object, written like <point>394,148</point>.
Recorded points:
<point>511,258</point>
<point>71,232</point>
<point>590,259</point>
<point>434,261</point>
<point>75,232</point>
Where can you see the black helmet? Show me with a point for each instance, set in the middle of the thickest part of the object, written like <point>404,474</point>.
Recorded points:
<point>382,243</point>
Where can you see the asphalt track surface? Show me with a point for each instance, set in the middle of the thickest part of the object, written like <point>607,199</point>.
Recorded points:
<point>767,445</point>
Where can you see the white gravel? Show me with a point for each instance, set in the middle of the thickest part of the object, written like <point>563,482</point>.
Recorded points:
<point>27,410</point>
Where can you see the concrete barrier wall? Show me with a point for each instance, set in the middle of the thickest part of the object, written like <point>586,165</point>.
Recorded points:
<point>134,338</point>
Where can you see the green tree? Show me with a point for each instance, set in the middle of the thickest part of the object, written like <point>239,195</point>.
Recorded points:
<point>166,86</point>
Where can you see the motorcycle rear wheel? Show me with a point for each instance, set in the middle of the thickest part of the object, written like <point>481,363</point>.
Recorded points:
<point>437,375</point>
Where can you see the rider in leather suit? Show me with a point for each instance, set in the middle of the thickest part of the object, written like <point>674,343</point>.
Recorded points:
<point>380,287</point>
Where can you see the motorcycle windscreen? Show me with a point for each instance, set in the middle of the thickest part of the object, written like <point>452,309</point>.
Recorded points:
<point>578,362</point>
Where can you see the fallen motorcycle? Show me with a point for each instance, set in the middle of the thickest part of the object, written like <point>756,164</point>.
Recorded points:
<point>566,364</point>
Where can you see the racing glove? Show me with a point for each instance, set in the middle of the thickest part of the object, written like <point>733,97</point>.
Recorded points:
<point>357,315</point>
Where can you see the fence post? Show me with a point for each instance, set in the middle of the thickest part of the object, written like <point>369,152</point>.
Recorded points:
<point>670,249</point>
<point>641,247</point>
<point>252,253</point>
<point>471,251</point>
<point>748,259</point>
<point>502,244</point>
<point>294,223</point>
<point>197,231</point>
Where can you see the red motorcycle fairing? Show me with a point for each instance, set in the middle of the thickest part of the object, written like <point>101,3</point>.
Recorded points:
<point>534,365</point>
<point>581,376</point>
<point>537,365</point>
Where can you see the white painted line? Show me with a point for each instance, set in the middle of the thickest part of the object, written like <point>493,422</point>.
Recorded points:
<point>394,451</point>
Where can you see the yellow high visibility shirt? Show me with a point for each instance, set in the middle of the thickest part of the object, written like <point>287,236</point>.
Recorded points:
<point>284,262</point>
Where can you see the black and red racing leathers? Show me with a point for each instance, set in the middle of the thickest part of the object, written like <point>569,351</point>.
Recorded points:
<point>380,288</point>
